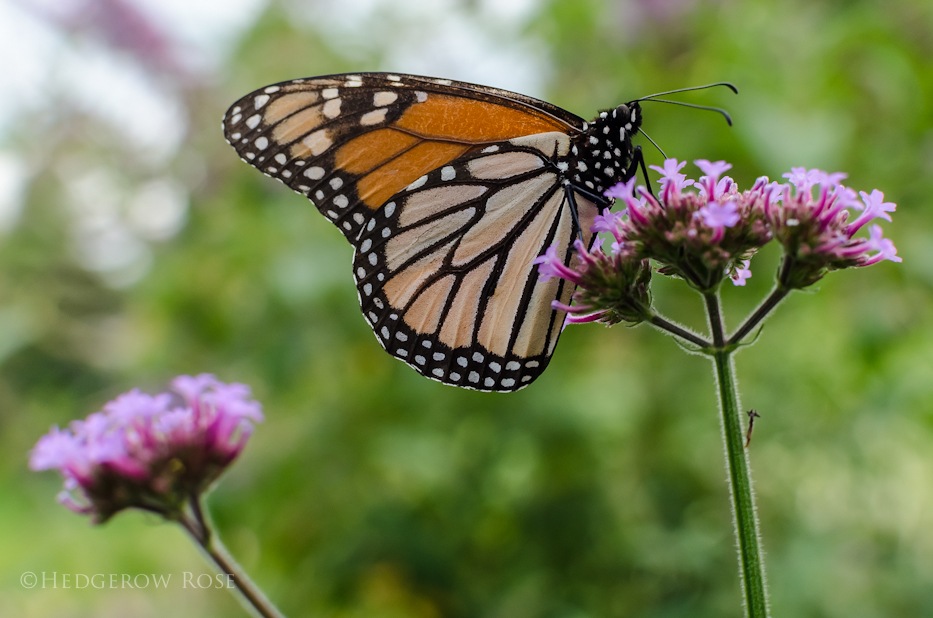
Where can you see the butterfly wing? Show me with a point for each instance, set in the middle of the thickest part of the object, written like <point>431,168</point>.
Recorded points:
<point>448,192</point>
<point>351,142</point>
<point>444,270</point>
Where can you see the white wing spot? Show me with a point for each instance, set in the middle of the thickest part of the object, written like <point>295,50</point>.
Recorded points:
<point>389,209</point>
<point>581,166</point>
<point>393,78</point>
<point>462,361</point>
<point>236,118</point>
<point>495,367</point>
<point>281,158</point>
<point>401,336</point>
<point>314,173</point>
<point>366,245</point>
<point>319,195</point>
<point>262,143</point>
<point>361,272</point>
<point>532,364</point>
<point>508,382</point>
<point>477,357</point>
<point>526,378</point>
<point>438,372</point>
<point>562,166</point>
<point>347,226</point>
<point>251,155</point>
<point>373,259</point>
<point>304,188</point>
<point>442,82</point>
<point>332,108</point>
<point>374,117</point>
<point>418,183</point>
<point>384,98</point>
<point>490,149</point>
<point>253,121</point>
<point>318,142</point>
<point>236,110</point>
<point>489,382</point>
<point>341,201</point>
<point>378,303</point>
<point>426,343</point>
<point>386,232</point>
<point>261,100</point>
<point>512,366</point>
<point>271,89</point>
<point>455,377</point>
<point>236,136</point>
<point>372,224</point>
<point>332,214</point>
<point>368,289</point>
<point>421,96</point>
<point>402,352</point>
<point>420,359</point>
<point>385,332</point>
<point>473,377</point>
<point>336,183</point>
<point>373,317</point>
<point>329,93</point>
<point>272,170</point>
<point>380,276</point>
<point>438,356</point>
<point>448,173</point>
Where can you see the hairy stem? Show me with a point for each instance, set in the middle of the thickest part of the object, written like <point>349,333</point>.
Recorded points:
<point>751,564</point>
<point>199,528</point>
<point>678,331</point>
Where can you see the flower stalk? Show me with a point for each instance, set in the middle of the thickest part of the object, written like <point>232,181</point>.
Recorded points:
<point>744,516</point>
<point>198,526</point>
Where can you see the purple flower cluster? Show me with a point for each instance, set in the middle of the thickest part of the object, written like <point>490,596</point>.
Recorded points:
<point>150,452</point>
<point>709,234</point>
<point>610,288</point>
<point>816,231</point>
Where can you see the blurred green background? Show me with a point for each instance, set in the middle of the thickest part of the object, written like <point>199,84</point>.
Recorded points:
<point>135,246</point>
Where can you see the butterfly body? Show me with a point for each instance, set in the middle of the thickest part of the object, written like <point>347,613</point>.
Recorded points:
<point>447,191</point>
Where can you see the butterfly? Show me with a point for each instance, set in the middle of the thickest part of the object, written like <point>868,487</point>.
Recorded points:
<point>447,191</point>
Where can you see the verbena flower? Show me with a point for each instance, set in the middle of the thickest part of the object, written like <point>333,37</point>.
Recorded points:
<point>811,218</point>
<point>697,235</point>
<point>150,452</point>
<point>709,234</point>
<point>611,288</point>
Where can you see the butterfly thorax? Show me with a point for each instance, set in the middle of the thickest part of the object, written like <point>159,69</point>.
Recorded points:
<point>601,155</point>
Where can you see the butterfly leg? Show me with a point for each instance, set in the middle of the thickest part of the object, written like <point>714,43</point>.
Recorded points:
<point>638,160</point>
<point>572,201</point>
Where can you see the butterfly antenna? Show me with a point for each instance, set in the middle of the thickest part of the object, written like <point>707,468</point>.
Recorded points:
<point>653,142</point>
<point>728,85</point>
<point>706,107</point>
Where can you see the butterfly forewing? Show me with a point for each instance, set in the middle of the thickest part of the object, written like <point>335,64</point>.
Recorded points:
<point>350,142</point>
<point>444,270</point>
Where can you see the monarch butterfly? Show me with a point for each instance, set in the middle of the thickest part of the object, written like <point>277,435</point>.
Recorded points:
<point>447,191</point>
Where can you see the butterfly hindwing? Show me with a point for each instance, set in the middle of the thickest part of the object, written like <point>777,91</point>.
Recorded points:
<point>350,142</point>
<point>444,269</point>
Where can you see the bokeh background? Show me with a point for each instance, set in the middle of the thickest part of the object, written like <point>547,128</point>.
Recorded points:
<point>135,246</point>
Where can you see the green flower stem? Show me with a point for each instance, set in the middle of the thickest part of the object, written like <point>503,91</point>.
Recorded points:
<point>199,528</point>
<point>752,569</point>
<point>677,331</point>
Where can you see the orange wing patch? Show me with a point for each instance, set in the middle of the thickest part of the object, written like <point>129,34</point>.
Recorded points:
<point>474,122</point>
<point>377,187</point>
